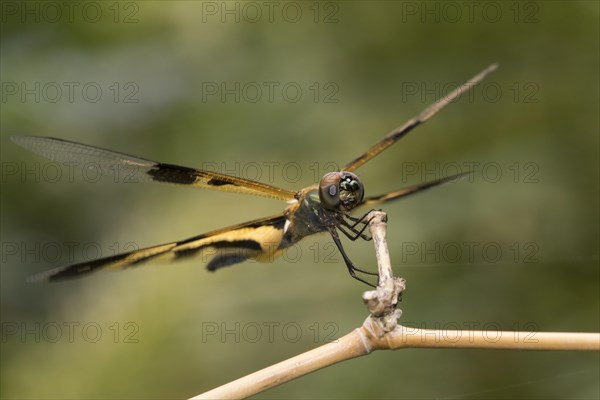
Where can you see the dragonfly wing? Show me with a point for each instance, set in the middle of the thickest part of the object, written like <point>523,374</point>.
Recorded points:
<point>258,239</point>
<point>120,166</point>
<point>429,112</point>
<point>398,194</point>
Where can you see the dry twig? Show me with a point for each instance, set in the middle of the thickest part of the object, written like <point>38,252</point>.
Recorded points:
<point>381,331</point>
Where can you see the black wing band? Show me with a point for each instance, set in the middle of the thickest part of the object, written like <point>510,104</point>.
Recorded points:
<point>120,166</point>
<point>258,239</point>
<point>429,112</point>
<point>398,194</point>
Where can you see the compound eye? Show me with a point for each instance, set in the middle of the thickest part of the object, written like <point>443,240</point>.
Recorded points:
<point>341,191</point>
<point>352,191</point>
<point>329,192</point>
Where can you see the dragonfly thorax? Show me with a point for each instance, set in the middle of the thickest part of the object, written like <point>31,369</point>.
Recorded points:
<point>341,191</point>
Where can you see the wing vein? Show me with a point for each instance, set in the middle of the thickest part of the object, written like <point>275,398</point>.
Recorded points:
<point>121,167</point>
<point>412,123</point>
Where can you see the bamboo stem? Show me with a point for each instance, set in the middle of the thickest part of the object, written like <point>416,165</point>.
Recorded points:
<point>380,331</point>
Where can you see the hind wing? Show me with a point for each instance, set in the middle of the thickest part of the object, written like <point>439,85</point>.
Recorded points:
<point>258,239</point>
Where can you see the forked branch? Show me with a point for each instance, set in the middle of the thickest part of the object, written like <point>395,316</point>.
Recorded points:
<point>381,331</point>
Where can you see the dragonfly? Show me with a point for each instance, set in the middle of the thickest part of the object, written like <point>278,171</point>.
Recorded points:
<point>319,208</point>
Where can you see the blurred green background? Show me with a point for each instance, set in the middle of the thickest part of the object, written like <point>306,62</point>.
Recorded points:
<point>343,74</point>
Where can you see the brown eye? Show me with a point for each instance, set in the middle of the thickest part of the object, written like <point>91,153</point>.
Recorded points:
<point>329,193</point>
<point>341,191</point>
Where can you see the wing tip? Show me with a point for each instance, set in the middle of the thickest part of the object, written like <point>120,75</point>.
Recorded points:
<point>30,142</point>
<point>493,67</point>
<point>45,276</point>
<point>61,273</point>
<point>18,139</point>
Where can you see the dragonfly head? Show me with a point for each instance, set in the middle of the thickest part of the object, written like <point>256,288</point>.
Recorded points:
<point>341,191</point>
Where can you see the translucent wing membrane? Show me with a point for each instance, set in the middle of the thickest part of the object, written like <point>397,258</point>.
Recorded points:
<point>258,239</point>
<point>400,132</point>
<point>398,194</point>
<point>135,169</point>
<point>261,239</point>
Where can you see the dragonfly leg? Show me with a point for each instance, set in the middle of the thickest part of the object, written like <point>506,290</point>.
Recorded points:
<point>352,227</point>
<point>359,220</point>
<point>354,219</point>
<point>352,269</point>
<point>354,233</point>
